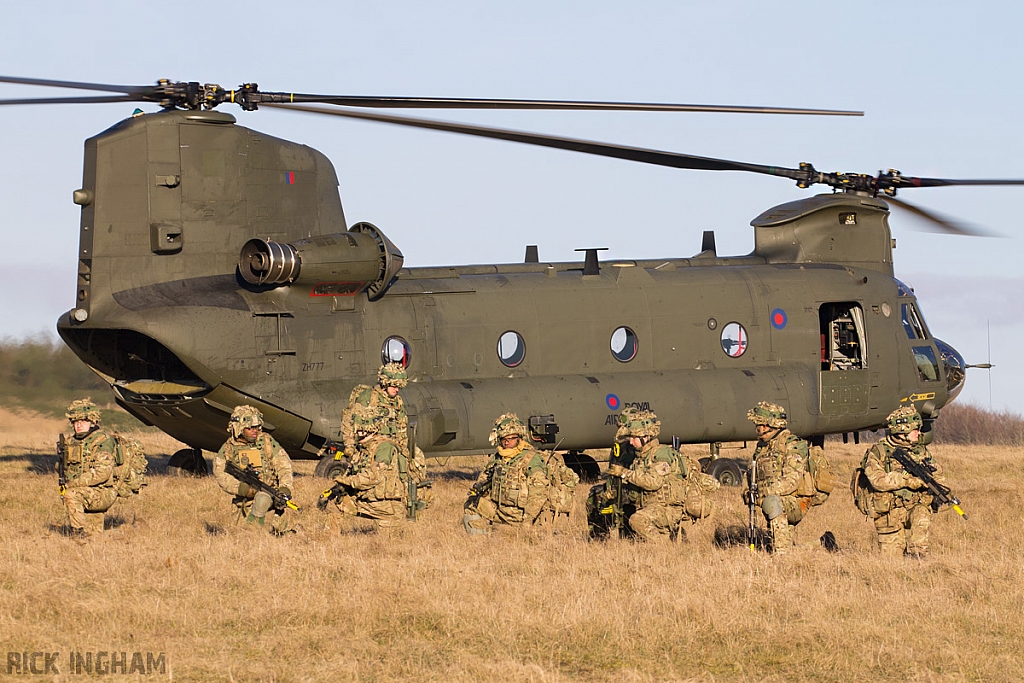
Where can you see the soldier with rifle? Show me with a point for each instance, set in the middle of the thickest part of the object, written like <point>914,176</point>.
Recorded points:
<point>611,502</point>
<point>85,470</point>
<point>906,485</point>
<point>256,470</point>
<point>380,485</point>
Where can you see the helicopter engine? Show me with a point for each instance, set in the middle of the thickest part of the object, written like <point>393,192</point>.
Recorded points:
<point>342,264</point>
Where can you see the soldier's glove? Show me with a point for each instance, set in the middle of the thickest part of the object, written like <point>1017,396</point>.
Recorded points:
<point>246,491</point>
<point>912,482</point>
<point>616,470</point>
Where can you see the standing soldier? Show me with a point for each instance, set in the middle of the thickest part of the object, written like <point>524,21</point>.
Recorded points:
<point>86,469</point>
<point>658,475</point>
<point>611,501</point>
<point>901,501</point>
<point>377,486</point>
<point>248,446</point>
<point>780,463</point>
<point>513,488</point>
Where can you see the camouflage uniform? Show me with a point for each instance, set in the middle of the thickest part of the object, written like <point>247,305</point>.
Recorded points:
<point>514,486</point>
<point>89,461</point>
<point>267,457</point>
<point>901,501</point>
<point>781,461</point>
<point>396,422</point>
<point>377,487</point>
<point>658,476</point>
<point>611,501</point>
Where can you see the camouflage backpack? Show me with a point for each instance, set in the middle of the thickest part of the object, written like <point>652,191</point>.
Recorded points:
<point>822,474</point>
<point>129,466</point>
<point>699,487</point>
<point>563,480</point>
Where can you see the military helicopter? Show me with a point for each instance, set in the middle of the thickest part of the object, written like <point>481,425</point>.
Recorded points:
<point>216,268</point>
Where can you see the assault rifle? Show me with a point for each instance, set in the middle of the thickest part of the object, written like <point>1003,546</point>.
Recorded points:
<point>941,495</point>
<point>328,495</point>
<point>752,505</point>
<point>414,504</point>
<point>251,477</point>
<point>62,457</point>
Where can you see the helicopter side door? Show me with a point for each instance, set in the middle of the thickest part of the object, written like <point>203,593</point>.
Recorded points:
<point>845,376</point>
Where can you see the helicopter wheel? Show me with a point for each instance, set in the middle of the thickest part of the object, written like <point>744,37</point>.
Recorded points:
<point>188,462</point>
<point>726,471</point>
<point>583,465</point>
<point>328,467</point>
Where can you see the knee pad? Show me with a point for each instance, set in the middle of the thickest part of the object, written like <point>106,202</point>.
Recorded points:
<point>772,507</point>
<point>261,504</point>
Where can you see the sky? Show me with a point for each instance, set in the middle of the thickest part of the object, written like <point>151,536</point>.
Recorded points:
<point>939,84</point>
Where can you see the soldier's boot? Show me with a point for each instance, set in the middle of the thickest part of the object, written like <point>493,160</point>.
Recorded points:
<point>93,523</point>
<point>891,543</point>
<point>782,535</point>
<point>258,512</point>
<point>475,525</point>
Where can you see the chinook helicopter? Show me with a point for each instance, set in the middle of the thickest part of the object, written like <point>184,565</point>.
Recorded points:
<point>216,268</point>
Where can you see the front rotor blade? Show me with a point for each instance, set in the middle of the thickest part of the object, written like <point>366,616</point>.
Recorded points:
<point>102,87</point>
<point>74,100</point>
<point>474,103</point>
<point>940,223</point>
<point>647,156</point>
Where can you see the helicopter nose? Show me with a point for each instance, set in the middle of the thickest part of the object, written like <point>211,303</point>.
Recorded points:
<point>956,368</point>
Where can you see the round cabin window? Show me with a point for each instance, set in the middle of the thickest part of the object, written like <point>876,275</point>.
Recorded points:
<point>624,344</point>
<point>511,349</point>
<point>734,340</point>
<point>395,350</point>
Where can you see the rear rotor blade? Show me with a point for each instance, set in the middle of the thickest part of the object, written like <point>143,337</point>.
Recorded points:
<point>647,156</point>
<point>474,103</point>
<point>74,100</point>
<point>102,87</point>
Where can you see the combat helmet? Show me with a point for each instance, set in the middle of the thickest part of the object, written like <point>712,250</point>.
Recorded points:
<point>904,420</point>
<point>392,375</point>
<point>768,414</point>
<point>83,409</point>
<point>508,424</point>
<point>627,414</point>
<point>244,416</point>
<point>643,423</point>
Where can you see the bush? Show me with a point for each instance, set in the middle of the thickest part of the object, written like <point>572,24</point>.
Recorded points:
<point>967,424</point>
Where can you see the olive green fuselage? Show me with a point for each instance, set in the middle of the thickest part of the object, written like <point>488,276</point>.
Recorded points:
<point>162,313</point>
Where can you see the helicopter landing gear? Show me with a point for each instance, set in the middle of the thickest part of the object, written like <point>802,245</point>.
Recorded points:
<point>328,467</point>
<point>188,462</point>
<point>726,470</point>
<point>583,465</point>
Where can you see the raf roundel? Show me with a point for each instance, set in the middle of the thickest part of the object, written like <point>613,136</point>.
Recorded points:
<point>612,401</point>
<point>779,319</point>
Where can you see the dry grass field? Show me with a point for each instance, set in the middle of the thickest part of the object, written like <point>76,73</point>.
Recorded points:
<point>172,575</point>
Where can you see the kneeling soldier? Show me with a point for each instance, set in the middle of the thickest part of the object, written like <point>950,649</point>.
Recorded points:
<point>513,488</point>
<point>779,461</point>
<point>87,470</point>
<point>658,474</point>
<point>378,486</point>
<point>247,447</point>
<point>901,502</point>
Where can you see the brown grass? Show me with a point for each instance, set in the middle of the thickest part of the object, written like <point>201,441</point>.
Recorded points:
<point>430,603</point>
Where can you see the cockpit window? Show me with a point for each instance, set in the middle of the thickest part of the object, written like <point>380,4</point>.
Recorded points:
<point>903,289</point>
<point>927,366</point>
<point>913,323</point>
